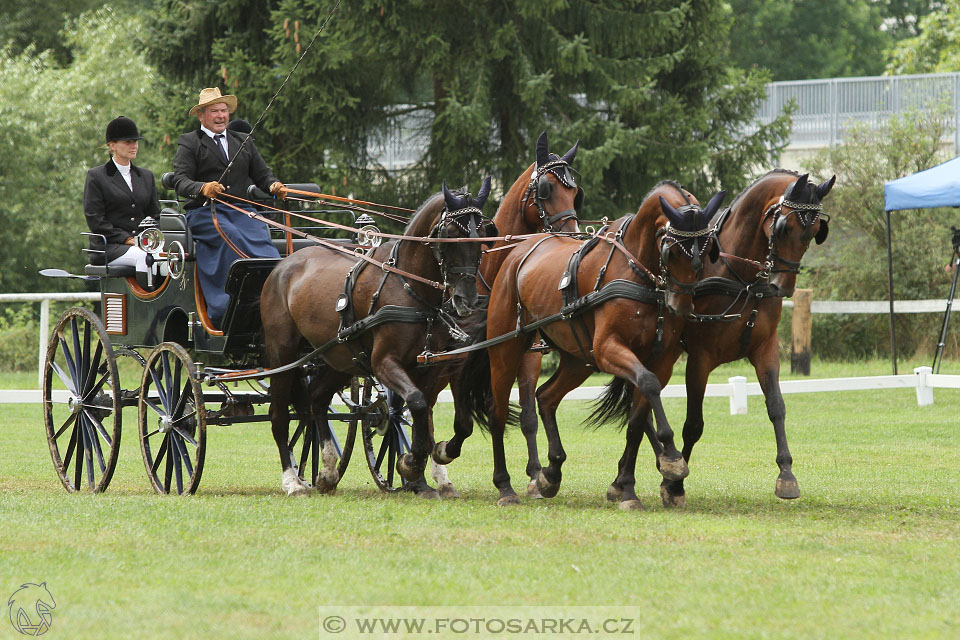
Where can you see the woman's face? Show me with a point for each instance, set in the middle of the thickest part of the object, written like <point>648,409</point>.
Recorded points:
<point>124,150</point>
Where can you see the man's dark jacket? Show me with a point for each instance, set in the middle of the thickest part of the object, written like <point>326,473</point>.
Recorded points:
<point>198,160</point>
<point>113,210</point>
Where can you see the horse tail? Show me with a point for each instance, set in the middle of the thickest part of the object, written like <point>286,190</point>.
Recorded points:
<point>476,397</point>
<point>613,405</point>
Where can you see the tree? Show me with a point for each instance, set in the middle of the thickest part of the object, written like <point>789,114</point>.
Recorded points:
<point>809,38</point>
<point>852,263</point>
<point>52,122</point>
<point>642,84</point>
<point>935,49</point>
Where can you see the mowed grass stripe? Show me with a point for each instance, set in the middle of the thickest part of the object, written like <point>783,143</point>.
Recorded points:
<point>869,550</point>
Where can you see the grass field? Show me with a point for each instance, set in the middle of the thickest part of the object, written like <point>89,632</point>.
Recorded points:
<point>870,550</point>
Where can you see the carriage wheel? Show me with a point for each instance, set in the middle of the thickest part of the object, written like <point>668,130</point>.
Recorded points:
<point>173,420</point>
<point>304,444</point>
<point>386,440</point>
<point>81,402</point>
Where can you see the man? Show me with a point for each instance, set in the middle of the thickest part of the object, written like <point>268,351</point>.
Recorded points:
<point>222,234</point>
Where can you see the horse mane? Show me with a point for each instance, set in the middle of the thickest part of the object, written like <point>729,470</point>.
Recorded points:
<point>426,214</point>
<point>789,172</point>
<point>667,183</point>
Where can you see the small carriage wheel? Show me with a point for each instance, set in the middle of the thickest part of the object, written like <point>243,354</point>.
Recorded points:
<point>173,420</point>
<point>384,442</point>
<point>306,437</point>
<point>81,402</point>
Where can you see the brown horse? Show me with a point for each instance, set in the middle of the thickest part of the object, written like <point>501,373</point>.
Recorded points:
<point>623,325</point>
<point>762,237</point>
<point>546,197</point>
<point>370,320</point>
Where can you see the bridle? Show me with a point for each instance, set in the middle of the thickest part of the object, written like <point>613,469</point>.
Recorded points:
<point>688,243</point>
<point>807,215</point>
<point>540,188</point>
<point>468,220</point>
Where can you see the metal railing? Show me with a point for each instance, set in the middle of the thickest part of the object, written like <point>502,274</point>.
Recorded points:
<point>825,109</point>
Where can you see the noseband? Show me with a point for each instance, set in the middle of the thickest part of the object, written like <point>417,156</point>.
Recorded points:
<point>540,188</point>
<point>675,237</point>
<point>778,225</point>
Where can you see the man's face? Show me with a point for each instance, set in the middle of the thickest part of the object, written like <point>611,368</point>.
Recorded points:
<point>215,117</point>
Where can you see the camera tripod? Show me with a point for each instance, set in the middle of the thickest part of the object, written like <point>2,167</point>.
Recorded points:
<point>955,261</point>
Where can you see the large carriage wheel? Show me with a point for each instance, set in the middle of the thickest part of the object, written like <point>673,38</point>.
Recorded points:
<point>304,444</point>
<point>81,402</point>
<point>173,420</point>
<point>386,440</point>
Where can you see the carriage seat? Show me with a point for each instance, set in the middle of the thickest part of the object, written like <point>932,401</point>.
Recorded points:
<point>113,272</point>
<point>174,226</point>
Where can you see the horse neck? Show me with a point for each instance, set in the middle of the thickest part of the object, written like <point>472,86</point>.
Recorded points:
<point>417,257</point>
<point>510,220</point>
<point>742,234</point>
<point>640,236</point>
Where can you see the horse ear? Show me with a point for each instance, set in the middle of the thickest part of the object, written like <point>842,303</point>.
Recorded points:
<point>570,155</point>
<point>482,194</point>
<point>823,232</point>
<point>543,154</point>
<point>672,214</point>
<point>797,189</point>
<point>714,205</point>
<point>490,231</point>
<point>824,188</point>
<point>449,199</point>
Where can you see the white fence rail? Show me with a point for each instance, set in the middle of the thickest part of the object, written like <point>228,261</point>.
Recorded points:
<point>737,389</point>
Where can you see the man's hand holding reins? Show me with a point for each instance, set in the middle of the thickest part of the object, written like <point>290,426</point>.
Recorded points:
<point>279,189</point>
<point>211,190</point>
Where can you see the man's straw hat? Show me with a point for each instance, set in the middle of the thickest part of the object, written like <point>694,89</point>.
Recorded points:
<point>211,95</point>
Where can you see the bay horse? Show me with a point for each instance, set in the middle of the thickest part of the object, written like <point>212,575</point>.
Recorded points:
<point>615,332</point>
<point>546,197</point>
<point>762,236</point>
<point>370,321</point>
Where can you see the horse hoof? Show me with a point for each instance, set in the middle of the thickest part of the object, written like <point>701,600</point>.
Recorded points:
<point>631,505</point>
<point>327,482</point>
<point>439,453</point>
<point>292,485</point>
<point>508,501</point>
<point>406,468</point>
<point>447,490</point>
<point>674,469</point>
<point>428,494</point>
<point>671,500</point>
<point>547,489</point>
<point>614,493</point>
<point>787,489</point>
<point>533,491</point>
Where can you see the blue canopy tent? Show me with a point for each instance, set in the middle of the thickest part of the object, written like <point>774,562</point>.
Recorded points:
<point>938,186</point>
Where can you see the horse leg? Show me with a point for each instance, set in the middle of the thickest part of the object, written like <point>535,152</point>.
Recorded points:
<point>327,477</point>
<point>449,450</point>
<point>504,364</point>
<point>613,356</point>
<point>527,386</point>
<point>439,471</point>
<point>766,362</point>
<point>410,466</point>
<point>623,488</point>
<point>672,492</point>
<point>281,394</point>
<point>570,373</point>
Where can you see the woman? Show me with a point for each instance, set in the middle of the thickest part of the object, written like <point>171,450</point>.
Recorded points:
<point>117,196</point>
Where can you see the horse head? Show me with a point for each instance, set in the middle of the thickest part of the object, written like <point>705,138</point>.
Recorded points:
<point>795,218</point>
<point>461,218</point>
<point>553,198</point>
<point>685,238</point>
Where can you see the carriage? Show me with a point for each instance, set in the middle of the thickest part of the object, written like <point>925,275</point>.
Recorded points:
<point>183,374</point>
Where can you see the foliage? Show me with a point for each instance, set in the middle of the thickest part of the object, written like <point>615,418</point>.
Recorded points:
<point>935,49</point>
<point>54,117</point>
<point>920,239</point>
<point>641,84</point>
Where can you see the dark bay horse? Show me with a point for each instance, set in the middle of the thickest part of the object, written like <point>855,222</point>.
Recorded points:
<point>662,244</point>
<point>762,238</point>
<point>546,197</point>
<point>323,297</point>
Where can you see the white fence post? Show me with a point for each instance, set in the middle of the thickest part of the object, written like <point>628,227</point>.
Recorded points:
<point>924,390</point>
<point>738,395</point>
<point>44,338</point>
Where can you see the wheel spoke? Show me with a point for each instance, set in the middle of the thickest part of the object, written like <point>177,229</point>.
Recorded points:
<point>392,462</point>
<point>177,462</point>
<point>95,441</point>
<point>187,437</point>
<point>154,375</point>
<point>167,384</point>
<point>88,451</point>
<point>185,393</point>
<point>98,426</point>
<point>315,450</point>
<point>384,448</point>
<point>72,446</point>
<point>296,435</point>
<point>308,436</point>
<point>182,449</point>
<point>71,367</point>
<point>403,443</point>
<point>95,389</point>
<point>67,382</point>
<point>83,366</point>
<point>147,401</point>
<point>80,450</point>
<point>169,470</point>
<point>76,352</point>
<point>94,368</point>
<point>65,426</point>
<point>160,453</point>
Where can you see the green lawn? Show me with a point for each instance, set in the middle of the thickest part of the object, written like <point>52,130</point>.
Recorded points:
<point>870,550</point>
